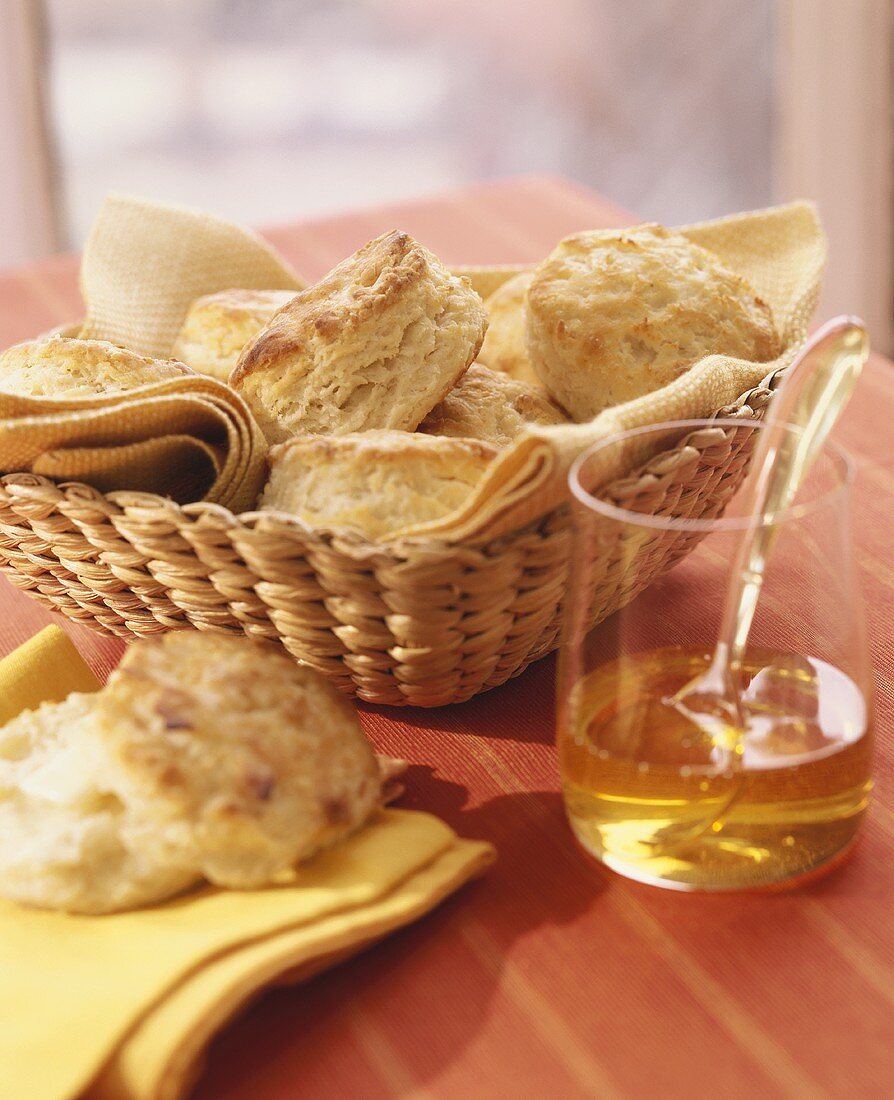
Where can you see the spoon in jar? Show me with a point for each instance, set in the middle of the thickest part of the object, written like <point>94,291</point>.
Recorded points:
<point>815,390</point>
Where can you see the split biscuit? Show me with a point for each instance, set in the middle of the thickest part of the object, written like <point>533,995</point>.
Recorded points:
<point>62,842</point>
<point>205,756</point>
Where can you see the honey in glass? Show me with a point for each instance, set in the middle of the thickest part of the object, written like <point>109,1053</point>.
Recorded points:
<point>704,799</point>
<point>647,792</point>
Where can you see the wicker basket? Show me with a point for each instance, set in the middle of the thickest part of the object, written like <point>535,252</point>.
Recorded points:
<point>406,624</point>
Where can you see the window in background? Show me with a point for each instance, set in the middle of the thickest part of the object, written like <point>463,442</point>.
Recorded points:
<point>267,110</point>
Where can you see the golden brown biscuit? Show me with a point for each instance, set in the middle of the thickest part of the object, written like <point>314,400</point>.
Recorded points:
<point>219,326</point>
<point>205,756</point>
<point>231,758</point>
<point>490,406</point>
<point>62,367</point>
<point>615,314</point>
<point>375,344</point>
<point>505,348</point>
<point>373,483</point>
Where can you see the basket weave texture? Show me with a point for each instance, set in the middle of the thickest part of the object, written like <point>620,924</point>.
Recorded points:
<point>403,624</point>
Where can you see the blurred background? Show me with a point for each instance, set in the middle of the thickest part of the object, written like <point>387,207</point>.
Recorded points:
<point>276,110</point>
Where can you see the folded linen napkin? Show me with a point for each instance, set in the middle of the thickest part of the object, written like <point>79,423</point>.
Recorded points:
<point>189,437</point>
<point>121,1006</point>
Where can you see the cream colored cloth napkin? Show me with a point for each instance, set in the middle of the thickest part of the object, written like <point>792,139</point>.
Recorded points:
<point>120,1007</point>
<point>188,437</point>
<point>146,262</point>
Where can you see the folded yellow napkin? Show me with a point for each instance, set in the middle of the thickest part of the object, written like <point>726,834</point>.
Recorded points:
<point>46,667</point>
<point>120,1007</point>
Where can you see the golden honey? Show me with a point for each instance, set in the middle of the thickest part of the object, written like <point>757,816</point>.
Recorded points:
<point>653,794</point>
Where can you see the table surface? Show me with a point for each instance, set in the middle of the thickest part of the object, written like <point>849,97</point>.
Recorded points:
<point>551,976</point>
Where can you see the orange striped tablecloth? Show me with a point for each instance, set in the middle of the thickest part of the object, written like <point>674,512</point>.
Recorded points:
<point>552,977</point>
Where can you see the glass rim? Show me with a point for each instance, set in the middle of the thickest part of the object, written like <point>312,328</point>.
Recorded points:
<point>839,457</point>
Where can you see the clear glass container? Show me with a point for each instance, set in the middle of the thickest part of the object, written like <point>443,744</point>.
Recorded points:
<point>668,798</point>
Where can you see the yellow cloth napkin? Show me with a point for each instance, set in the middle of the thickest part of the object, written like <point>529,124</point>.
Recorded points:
<point>120,1007</point>
<point>46,667</point>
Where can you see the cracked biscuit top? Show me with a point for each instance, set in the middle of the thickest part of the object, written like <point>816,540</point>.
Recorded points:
<point>614,314</point>
<point>377,343</point>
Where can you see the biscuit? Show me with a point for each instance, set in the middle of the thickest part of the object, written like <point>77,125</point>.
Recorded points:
<point>62,367</point>
<point>505,348</point>
<point>231,758</point>
<point>61,842</point>
<point>615,314</point>
<point>490,406</point>
<point>205,756</point>
<point>218,326</point>
<point>375,344</point>
<point>373,483</point>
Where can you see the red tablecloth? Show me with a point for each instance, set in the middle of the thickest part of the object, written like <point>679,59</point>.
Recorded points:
<point>552,977</point>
